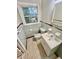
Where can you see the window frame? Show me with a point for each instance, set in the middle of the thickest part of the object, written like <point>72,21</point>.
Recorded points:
<point>21,5</point>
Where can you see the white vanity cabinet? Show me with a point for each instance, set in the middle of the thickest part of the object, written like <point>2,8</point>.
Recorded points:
<point>49,43</point>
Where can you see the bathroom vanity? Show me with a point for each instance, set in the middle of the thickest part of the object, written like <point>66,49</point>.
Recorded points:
<point>50,43</point>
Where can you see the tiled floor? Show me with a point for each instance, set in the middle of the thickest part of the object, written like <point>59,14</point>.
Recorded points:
<point>36,51</point>
<point>33,52</point>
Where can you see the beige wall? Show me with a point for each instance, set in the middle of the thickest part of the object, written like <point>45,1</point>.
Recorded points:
<point>47,8</point>
<point>18,18</point>
<point>57,19</point>
<point>58,11</point>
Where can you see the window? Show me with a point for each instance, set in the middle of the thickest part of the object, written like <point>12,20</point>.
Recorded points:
<point>30,14</point>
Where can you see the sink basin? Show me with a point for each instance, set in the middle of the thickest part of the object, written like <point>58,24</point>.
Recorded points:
<point>50,43</point>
